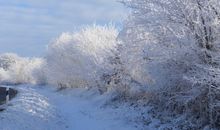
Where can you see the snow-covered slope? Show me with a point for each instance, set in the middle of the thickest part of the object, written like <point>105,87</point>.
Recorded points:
<point>43,108</point>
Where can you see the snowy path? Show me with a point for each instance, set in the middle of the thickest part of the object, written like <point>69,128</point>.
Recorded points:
<point>42,108</point>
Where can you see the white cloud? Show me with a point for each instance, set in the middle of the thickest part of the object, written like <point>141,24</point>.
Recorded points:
<point>32,24</point>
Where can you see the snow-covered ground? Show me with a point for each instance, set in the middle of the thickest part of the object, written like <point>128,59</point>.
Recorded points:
<point>43,108</point>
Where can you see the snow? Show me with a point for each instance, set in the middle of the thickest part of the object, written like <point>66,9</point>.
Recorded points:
<point>44,108</point>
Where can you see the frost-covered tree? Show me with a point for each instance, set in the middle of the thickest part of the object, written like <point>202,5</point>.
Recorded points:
<point>175,43</point>
<point>178,21</point>
<point>16,70</point>
<point>79,59</point>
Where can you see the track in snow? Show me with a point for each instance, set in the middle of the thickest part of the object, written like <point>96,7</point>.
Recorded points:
<point>42,108</point>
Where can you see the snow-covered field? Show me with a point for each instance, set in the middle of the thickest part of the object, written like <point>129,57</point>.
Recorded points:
<point>43,108</point>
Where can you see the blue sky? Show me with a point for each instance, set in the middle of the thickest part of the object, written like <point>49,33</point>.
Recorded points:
<point>27,26</point>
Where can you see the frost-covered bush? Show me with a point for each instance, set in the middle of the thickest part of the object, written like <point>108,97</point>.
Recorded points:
<point>17,70</point>
<point>78,59</point>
